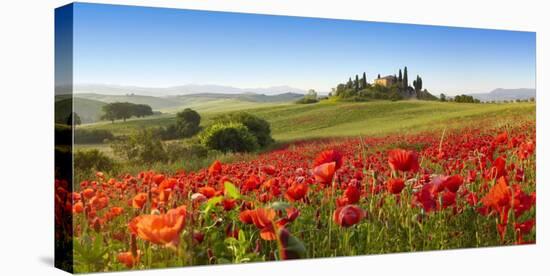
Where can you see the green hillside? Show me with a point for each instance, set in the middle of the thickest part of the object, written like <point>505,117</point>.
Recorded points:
<point>88,110</point>
<point>90,104</point>
<point>330,118</point>
<point>155,102</point>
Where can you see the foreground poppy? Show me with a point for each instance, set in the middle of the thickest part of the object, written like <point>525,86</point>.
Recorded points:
<point>296,191</point>
<point>395,185</point>
<point>325,172</point>
<point>163,229</point>
<point>348,215</point>
<point>263,219</point>
<point>329,156</point>
<point>403,160</point>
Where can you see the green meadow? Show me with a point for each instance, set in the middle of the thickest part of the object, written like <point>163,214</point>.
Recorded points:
<point>335,119</point>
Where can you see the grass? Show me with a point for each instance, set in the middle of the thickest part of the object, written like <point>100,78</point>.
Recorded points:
<point>333,119</point>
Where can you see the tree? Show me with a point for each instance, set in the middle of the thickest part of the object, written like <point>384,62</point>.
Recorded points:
<point>356,83</point>
<point>311,94</point>
<point>310,97</point>
<point>405,78</point>
<point>442,97</point>
<point>378,75</point>
<point>188,122</point>
<point>417,84</point>
<point>109,113</point>
<point>349,85</point>
<point>364,81</point>
<point>125,110</point>
<point>142,110</point>
<point>400,78</point>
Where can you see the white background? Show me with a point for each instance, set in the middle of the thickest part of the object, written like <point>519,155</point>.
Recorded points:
<point>26,133</point>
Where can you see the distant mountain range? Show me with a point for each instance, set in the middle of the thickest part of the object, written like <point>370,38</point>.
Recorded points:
<point>501,94</point>
<point>181,90</point>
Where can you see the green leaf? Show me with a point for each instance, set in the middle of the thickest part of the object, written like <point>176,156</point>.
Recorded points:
<point>211,203</point>
<point>230,190</point>
<point>242,236</point>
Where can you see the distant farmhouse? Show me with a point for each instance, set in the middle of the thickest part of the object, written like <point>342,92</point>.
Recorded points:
<point>386,81</point>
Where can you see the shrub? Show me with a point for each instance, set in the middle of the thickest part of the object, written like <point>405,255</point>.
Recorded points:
<point>143,146</point>
<point>92,160</point>
<point>259,127</point>
<point>169,132</point>
<point>187,122</point>
<point>306,100</point>
<point>229,137</point>
<point>92,136</point>
<point>177,151</point>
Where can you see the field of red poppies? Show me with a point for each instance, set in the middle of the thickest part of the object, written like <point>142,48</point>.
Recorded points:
<point>471,187</point>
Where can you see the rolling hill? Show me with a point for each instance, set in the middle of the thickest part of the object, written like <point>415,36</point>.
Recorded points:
<point>90,104</point>
<point>88,110</point>
<point>330,118</point>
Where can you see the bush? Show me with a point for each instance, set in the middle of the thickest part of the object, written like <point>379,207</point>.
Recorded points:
<point>259,127</point>
<point>187,122</point>
<point>92,136</point>
<point>92,160</point>
<point>144,146</point>
<point>306,100</point>
<point>169,132</point>
<point>177,151</point>
<point>229,137</point>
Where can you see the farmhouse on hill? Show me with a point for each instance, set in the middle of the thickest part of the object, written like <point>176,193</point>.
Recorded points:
<point>386,81</point>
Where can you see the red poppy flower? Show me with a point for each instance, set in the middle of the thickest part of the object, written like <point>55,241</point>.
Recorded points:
<point>158,178</point>
<point>329,156</point>
<point>324,172</point>
<point>215,168</point>
<point>501,138</point>
<point>269,169</point>
<point>207,191</point>
<point>351,196</point>
<point>263,219</point>
<point>229,204</point>
<point>348,215</point>
<point>296,191</point>
<point>403,160</point>
<point>453,183</point>
<point>163,229</point>
<point>500,195</point>
<point>395,185</point>
<point>246,217</point>
<point>128,259</point>
<point>78,207</point>
<point>139,200</point>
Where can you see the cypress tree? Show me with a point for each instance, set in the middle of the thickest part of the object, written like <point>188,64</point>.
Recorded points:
<point>364,84</point>
<point>356,83</point>
<point>405,78</point>
<point>400,78</point>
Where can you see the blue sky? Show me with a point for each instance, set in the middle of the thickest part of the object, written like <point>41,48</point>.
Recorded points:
<point>154,47</point>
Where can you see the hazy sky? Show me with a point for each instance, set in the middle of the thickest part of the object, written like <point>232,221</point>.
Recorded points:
<point>155,47</point>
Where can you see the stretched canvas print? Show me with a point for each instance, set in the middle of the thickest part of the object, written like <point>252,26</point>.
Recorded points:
<point>190,138</point>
